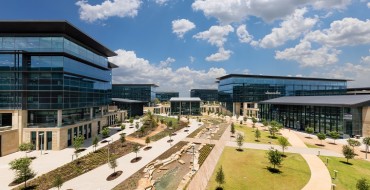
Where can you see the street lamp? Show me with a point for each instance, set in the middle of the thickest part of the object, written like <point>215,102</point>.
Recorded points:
<point>42,140</point>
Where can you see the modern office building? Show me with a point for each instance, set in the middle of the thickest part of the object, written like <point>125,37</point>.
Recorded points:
<point>358,91</point>
<point>140,92</point>
<point>55,83</point>
<point>133,107</point>
<point>347,114</point>
<point>206,95</point>
<point>185,106</point>
<point>166,96</point>
<point>240,94</point>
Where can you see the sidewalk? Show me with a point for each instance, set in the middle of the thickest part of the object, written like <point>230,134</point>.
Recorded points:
<point>96,179</point>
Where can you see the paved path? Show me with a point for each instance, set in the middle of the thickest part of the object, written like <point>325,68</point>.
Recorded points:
<point>201,141</point>
<point>96,179</point>
<point>50,160</point>
<point>204,174</point>
<point>320,176</point>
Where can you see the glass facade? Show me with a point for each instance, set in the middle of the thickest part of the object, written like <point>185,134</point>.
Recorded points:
<point>140,92</point>
<point>250,88</point>
<point>345,120</point>
<point>206,95</point>
<point>166,96</point>
<point>185,108</point>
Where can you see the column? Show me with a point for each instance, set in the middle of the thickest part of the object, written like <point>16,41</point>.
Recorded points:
<point>59,118</point>
<point>91,113</point>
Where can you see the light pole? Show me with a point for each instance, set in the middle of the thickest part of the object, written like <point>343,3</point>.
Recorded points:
<point>42,140</point>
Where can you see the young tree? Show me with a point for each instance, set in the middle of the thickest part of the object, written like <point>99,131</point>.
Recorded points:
<point>22,169</point>
<point>77,144</point>
<point>265,123</point>
<point>257,134</point>
<point>123,126</point>
<point>136,149</point>
<point>254,120</point>
<point>58,181</point>
<point>240,140</point>
<point>137,125</point>
<point>334,135</point>
<point>353,143</point>
<point>153,124</point>
<point>309,130</point>
<point>122,139</point>
<point>273,130</point>
<point>220,177</point>
<point>321,136</point>
<point>95,142</point>
<point>169,123</point>
<point>245,119</point>
<point>348,152</point>
<point>142,131</point>
<point>131,120</point>
<point>147,141</point>
<point>170,135</point>
<point>283,143</point>
<point>105,132</point>
<point>178,117</point>
<point>232,129</point>
<point>362,184</point>
<point>26,147</point>
<point>113,163</point>
<point>366,142</point>
<point>274,157</point>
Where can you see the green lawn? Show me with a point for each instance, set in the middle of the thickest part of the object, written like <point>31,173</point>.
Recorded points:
<point>247,170</point>
<point>347,174</point>
<point>249,135</point>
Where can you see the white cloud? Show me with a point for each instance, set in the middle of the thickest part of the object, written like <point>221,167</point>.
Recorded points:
<point>192,59</point>
<point>221,55</point>
<point>243,35</point>
<point>216,35</point>
<point>345,32</point>
<point>307,57</point>
<point>366,59</point>
<point>368,5</point>
<point>237,10</point>
<point>133,69</point>
<point>108,8</point>
<point>167,62</point>
<point>181,26</point>
<point>161,2</point>
<point>291,28</point>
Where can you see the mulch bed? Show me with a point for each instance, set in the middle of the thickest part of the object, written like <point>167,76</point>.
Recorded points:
<point>114,175</point>
<point>136,159</point>
<point>147,148</point>
<point>169,141</point>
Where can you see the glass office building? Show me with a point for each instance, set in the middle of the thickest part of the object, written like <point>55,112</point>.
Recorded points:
<point>140,92</point>
<point>239,93</point>
<point>166,96</point>
<point>185,106</point>
<point>347,114</point>
<point>206,95</point>
<point>59,75</point>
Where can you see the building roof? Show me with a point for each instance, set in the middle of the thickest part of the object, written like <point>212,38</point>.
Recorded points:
<point>279,77</point>
<point>126,100</point>
<point>335,101</point>
<point>121,84</point>
<point>53,27</point>
<point>185,99</point>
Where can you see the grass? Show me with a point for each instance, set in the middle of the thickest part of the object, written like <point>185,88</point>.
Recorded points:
<point>176,126</point>
<point>80,166</point>
<point>248,170</point>
<point>312,146</point>
<point>249,135</point>
<point>204,152</point>
<point>347,174</point>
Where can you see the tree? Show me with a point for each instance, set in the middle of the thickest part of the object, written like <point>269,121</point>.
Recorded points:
<point>257,134</point>
<point>283,143</point>
<point>178,117</point>
<point>273,130</point>
<point>348,152</point>
<point>220,177</point>
<point>123,126</point>
<point>156,101</point>
<point>321,136</point>
<point>122,139</point>
<point>240,140</point>
<point>105,132</point>
<point>353,143</point>
<point>274,157</point>
<point>26,147</point>
<point>58,181</point>
<point>309,130</point>
<point>366,142</point>
<point>113,163</point>
<point>77,144</point>
<point>334,135</point>
<point>95,142</point>
<point>153,124</point>
<point>142,130</point>
<point>265,123</point>
<point>131,120</point>
<point>137,125</point>
<point>170,135</point>
<point>147,141</point>
<point>232,129</point>
<point>254,120</point>
<point>362,184</point>
<point>169,123</point>
<point>22,169</point>
<point>136,149</point>
<point>245,119</point>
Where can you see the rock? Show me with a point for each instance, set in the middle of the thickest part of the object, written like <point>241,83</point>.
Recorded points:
<point>181,162</point>
<point>163,168</point>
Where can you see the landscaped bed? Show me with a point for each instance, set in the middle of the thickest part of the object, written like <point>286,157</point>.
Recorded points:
<point>176,126</point>
<point>348,174</point>
<point>248,170</point>
<point>81,165</point>
<point>249,137</point>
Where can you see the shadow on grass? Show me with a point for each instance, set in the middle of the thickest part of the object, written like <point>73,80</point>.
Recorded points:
<point>308,137</point>
<point>332,143</point>
<point>272,137</point>
<point>219,188</point>
<point>319,145</point>
<point>347,163</point>
<point>239,150</point>
<point>257,140</point>
<point>274,170</point>
<point>284,155</point>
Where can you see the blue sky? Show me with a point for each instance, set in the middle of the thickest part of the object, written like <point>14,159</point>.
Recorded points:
<point>184,44</point>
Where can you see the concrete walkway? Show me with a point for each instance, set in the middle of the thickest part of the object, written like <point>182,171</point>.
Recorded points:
<point>320,176</point>
<point>96,179</point>
<point>204,174</point>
